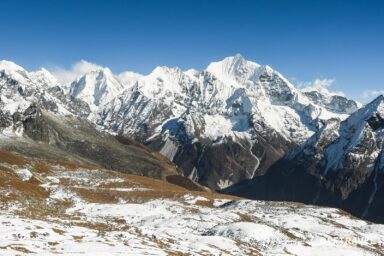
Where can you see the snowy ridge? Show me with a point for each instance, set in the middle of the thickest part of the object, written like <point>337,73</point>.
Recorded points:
<point>43,76</point>
<point>13,70</point>
<point>213,91</point>
<point>208,92</point>
<point>353,131</point>
<point>19,89</point>
<point>339,138</point>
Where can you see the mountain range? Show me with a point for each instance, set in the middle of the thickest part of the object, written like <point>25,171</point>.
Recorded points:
<point>236,126</point>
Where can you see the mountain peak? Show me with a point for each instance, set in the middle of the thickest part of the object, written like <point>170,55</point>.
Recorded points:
<point>228,63</point>
<point>377,105</point>
<point>192,72</point>
<point>106,71</point>
<point>371,110</point>
<point>379,98</point>
<point>96,87</point>
<point>234,67</point>
<point>164,69</point>
<point>236,58</point>
<point>14,70</point>
<point>99,71</point>
<point>9,65</point>
<point>43,76</point>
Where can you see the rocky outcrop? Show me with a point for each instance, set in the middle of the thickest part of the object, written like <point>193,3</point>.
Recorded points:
<point>34,124</point>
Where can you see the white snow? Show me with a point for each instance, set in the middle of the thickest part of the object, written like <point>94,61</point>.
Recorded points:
<point>224,183</point>
<point>24,174</point>
<point>216,126</point>
<point>13,70</point>
<point>43,76</point>
<point>247,231</point>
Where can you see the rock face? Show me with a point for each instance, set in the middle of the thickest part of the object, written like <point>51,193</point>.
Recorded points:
<point>341,165</point>
<point>34,124</point>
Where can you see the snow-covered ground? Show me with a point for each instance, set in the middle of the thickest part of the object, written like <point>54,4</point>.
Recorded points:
<point>68,209</point>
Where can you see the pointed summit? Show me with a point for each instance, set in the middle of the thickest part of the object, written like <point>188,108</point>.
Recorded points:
<point>96,87</point>
<point>379,99</point>
<point>236,59</point>
<point>44,77</point>
<point>374,108</point>
<point>234,67</point>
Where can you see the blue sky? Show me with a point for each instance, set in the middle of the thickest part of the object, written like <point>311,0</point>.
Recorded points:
<point>303,40</point>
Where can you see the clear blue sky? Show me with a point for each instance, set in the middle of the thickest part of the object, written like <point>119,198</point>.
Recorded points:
<point>304,40</point>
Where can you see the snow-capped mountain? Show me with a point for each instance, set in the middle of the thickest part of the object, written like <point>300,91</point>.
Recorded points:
<point>96,88</point>
<point>332,101</point>
<point>224,124</point>
<point>341,165</point>
<point>19,88</point>
<point>43,77</point>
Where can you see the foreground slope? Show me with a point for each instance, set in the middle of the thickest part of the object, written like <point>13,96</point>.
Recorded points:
<point>56,207</point>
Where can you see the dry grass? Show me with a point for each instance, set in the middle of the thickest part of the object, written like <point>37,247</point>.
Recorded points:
<point>205,203</point>
<point>78,238</point>
<point>290,234</point>
<point>20,249</point>
<point>12,158</point>
<point>58,231</point>
<point>245,217</point>
<point>97,196</point>
<point>30,189</point>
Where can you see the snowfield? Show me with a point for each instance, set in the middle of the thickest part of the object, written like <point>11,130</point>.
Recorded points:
<point>73,210</point>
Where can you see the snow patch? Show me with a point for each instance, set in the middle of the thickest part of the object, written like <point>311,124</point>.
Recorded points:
<point>24,174</point>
